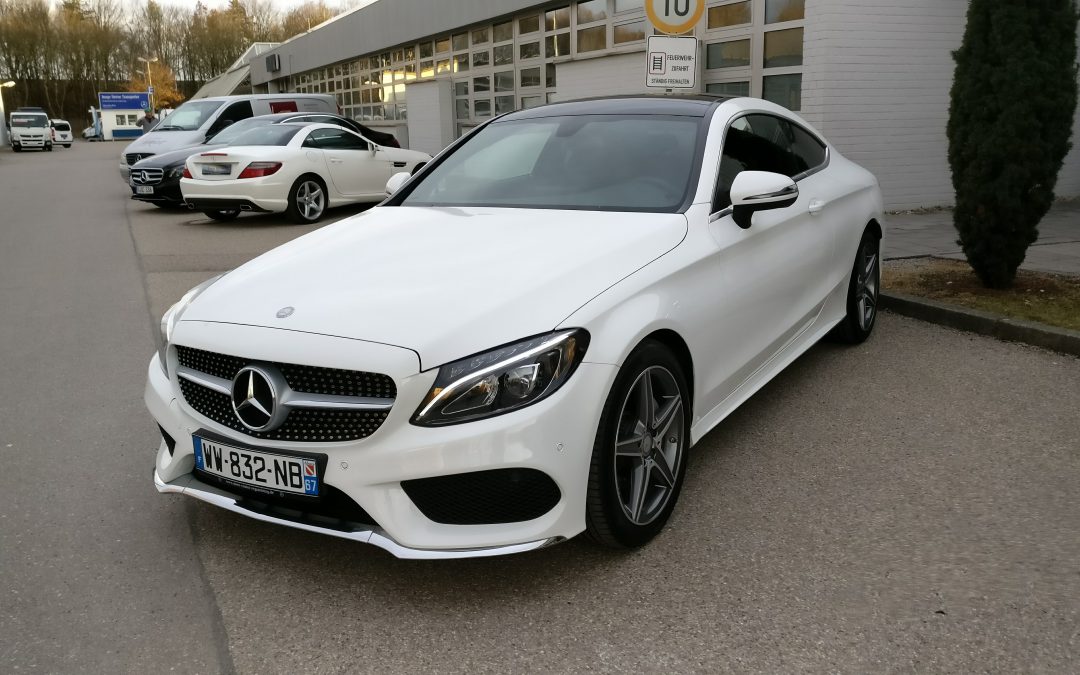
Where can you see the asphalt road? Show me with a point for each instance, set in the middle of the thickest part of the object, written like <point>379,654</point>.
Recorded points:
<point>908,505</point>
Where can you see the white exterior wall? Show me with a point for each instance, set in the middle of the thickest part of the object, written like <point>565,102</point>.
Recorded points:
<point>431,115</point>
<point>606,76</point>
<point>876,83</point>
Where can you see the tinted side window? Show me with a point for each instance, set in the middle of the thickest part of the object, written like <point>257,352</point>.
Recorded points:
<point>334,139</point>
<point>753,143</point>
<point>808,151</point>
<point>241,110</point>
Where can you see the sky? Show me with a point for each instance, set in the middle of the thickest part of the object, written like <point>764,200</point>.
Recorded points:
<point>281,5</point>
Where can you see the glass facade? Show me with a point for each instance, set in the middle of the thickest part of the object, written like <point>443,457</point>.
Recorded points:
<point>750,47</point>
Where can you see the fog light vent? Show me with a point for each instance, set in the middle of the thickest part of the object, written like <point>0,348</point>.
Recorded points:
<point>484,497</point>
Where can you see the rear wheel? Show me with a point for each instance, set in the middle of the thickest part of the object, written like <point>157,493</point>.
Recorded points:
<point>639,456</point>
<point>863,290</point>
<point>223,215</point>
<point>48,147</point>
<point>307,200</point>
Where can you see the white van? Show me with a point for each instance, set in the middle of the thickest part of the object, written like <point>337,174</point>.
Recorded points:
<point>30,129</point>
<point>61,133</point>
<point>199,119</point>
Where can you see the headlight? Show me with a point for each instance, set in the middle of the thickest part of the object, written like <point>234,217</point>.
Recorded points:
<point>503,379</point>
<point>172,316</point>
<point>175,172</point>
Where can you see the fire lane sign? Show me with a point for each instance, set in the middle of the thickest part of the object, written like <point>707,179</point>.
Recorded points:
<point>672,62</point>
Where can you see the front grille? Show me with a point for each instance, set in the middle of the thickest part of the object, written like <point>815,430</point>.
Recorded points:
<point>133,157</point>
<point>484,497</point>
<point>147,176</point>
<point>302,425</point>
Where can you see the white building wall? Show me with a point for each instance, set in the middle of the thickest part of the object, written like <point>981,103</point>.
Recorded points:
<point>431,115</point>
<point>607,76</point>
<point>876,83</point>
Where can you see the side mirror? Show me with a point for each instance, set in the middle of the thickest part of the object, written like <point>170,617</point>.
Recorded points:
<point>373,148</point>
<point>754,191</point>
<point>396,181</point>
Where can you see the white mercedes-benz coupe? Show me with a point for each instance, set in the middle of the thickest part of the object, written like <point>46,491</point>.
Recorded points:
<point>525,339</point>
<point>300,169</point>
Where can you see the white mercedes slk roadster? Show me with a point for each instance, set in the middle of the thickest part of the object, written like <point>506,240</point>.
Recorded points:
<point>524,340</point>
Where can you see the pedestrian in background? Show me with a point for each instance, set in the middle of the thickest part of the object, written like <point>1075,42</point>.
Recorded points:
<point>147,121</point>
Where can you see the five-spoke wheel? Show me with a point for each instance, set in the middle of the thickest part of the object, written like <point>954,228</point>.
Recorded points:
<point>307,200</point>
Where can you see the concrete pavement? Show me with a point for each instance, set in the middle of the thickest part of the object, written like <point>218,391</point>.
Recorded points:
<point>906,505</point>
<point>921,234</point>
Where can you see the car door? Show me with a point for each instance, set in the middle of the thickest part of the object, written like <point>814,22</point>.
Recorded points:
<point>357,171</point>
<point>773,274</point>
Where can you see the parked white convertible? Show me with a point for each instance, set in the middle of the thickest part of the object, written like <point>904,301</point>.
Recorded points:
<point>299,169</point>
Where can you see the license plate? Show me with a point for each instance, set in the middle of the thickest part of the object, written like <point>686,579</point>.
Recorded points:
<point>266,470</point>
<point>215,169</point>
<point>144,189</point>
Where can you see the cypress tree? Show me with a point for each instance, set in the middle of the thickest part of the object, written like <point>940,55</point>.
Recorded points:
<point>1011,114</point>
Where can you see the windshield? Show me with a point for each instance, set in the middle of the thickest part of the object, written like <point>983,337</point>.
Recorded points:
<point>267,134</point>
<point>595,162</point>
<point>189,116</point>
<point>229,133</point>
<point>29,121</point>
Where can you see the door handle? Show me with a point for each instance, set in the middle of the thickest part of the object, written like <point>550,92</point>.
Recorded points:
<point>334,160</point>
<point>815,206</point>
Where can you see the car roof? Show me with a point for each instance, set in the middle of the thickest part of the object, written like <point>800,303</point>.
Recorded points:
<point>640,104</point>
<point>237,97</point>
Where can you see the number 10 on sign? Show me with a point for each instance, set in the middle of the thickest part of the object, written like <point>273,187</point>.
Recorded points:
<point>674,16</point>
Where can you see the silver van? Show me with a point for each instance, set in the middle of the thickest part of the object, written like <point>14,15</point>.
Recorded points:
<point>199,119</point>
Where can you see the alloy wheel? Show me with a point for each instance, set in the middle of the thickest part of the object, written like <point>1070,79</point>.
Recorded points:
<point>867,284</point>
<point>649,445</point>
<point>310,200</point>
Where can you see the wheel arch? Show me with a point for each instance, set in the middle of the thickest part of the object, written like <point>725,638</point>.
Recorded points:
<point>675,344</point>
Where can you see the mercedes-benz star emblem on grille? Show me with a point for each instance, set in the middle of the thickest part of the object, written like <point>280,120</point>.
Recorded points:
<point>285,312</point>
<point>255,392</point>
<point>138,177</point>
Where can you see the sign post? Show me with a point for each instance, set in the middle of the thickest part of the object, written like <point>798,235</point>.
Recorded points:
<point>672,61</point>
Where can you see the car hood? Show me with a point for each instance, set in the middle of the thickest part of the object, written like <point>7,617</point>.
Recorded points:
<point>167,159</point>
<point>444,282</point>
<point>157,142</point>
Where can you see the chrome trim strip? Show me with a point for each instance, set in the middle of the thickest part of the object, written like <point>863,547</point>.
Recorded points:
<point>789,191</point>
<point>218,384</point>
<point>374,536</point>
<point>295,399</point>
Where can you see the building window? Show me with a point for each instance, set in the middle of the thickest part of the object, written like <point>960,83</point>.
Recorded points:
<point>529,50</point>
<point>461,88</point>
<point>461,42</point>
<point>530,77</point>
<point>480,59</point>
<point>785,90</point>
<point>503,31</point>
<point>591,10</point>
<point>729,88</point>
<point>531,102</point>
<point>504,54</point>
<point>557,18</point>
<point>628,5</point>
<point>481,83</point>
<point>557,45</point>
<point>442,45</point>
<point>482,107</point>
<point>480,36</point>
<point>592,39</point>
<point>550,75</point>
<point>784,48</point>
<point>734,54</point>
<point>528,24</point>
<point>784,10</point>
<point>442,66</point>
<point>735,14</point>
<point>503,104</point>
<point>629,32</point>
<point>504,81</point>
<point>461,63</point>
<point>461,108</point>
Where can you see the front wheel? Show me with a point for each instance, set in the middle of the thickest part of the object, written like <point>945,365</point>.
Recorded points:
<point>223,215</point>
<point>307,200</point>
<point>863,291</point>
<point>48,148</point>
<point>16,148</point>
<point>639,456</point>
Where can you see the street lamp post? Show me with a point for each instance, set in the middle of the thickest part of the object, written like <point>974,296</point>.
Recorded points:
<point>3,116</point>
<point>149,79</point>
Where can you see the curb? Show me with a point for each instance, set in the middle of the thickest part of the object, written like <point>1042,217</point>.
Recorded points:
<point>984,323</point>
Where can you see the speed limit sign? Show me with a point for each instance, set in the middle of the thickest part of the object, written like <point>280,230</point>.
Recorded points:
<point>674,16</point>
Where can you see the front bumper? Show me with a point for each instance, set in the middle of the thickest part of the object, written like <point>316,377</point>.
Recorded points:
<point>29,142</point>
<point>554,436</point>
<point>165,192</point>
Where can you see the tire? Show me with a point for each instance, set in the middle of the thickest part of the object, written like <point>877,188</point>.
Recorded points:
<point>17,148</point>
<point>48,147</point>
<point>863,291</point>
<point>223,215</point>
<point>67,145</point>
<point>634,479</point>
<point>301,208</point>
